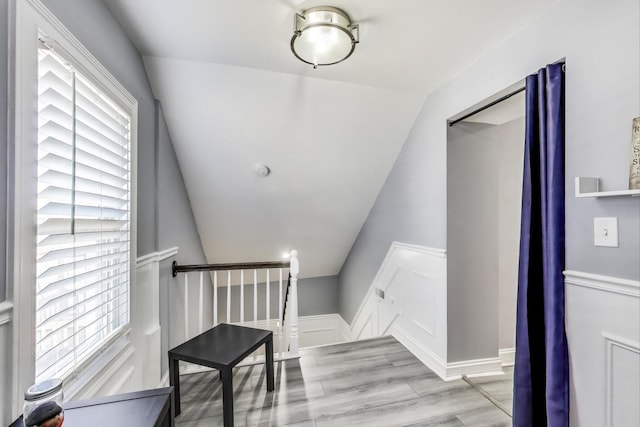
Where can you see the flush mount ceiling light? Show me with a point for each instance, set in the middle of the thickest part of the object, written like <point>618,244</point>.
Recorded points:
<point>323,35</point>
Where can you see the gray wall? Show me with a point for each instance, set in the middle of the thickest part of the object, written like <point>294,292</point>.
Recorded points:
<point>3,146</point>
<point>176,227</point>
<point>409,209</point>
<point>602,51</point>
<point>511,151</point>
<point>484,180</point>
<point>318,295</point>
<point>472,242</point>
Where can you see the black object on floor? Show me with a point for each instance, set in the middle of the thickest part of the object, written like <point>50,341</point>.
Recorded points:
<point>222,348</point>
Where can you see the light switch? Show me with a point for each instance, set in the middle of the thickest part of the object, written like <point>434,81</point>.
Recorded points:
<point>605,232</point>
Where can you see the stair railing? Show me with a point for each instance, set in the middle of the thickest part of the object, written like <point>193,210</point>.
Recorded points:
<point>225,278</point>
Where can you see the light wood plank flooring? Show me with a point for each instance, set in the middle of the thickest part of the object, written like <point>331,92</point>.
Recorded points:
<point>364,383</point>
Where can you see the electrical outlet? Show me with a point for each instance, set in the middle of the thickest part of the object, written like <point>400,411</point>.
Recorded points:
<point>605,232</point>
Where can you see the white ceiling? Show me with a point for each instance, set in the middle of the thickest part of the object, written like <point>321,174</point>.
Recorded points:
<point>234,96</point>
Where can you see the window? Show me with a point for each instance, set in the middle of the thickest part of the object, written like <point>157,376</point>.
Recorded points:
<point>72,190</point>
<point>83,216</point>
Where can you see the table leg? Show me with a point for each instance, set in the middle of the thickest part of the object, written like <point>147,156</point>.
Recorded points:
<point>227,396</point>
<point>269,363</point>
<point>174,380</point>
<point>172,410</point>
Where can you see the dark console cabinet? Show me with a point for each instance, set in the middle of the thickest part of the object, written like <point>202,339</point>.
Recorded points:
<point>149,408</point>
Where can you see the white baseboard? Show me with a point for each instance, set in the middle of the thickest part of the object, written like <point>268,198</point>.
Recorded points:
<point>426,356</point>
<point>447,371</point>
<point>507,356</point>
<point>475,367</point>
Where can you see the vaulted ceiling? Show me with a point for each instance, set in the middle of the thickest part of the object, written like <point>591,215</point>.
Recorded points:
<point>234,96</point>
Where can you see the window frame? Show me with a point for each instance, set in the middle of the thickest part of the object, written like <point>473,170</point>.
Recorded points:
<point>29,21</point>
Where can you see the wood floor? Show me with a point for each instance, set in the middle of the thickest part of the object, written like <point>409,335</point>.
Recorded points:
<point>498,388</point>
<point>365,383</point>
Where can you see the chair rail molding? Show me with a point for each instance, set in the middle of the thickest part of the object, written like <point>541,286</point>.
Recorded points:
<point>603,283</point>
<point>156,256</point>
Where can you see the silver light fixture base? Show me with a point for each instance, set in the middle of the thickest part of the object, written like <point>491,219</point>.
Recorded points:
<point>323,35</point>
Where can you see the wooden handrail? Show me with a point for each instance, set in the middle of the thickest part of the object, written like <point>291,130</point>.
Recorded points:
<point>286,297</point>
<point>175,268</point>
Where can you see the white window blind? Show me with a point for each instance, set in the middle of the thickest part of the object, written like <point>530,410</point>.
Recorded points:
<point>83,218</point>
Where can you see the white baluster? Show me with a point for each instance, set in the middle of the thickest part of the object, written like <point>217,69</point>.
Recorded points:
<point>186,306</point>
<point>241,296</point>
<point>201,304</point>
<point>267,307</point>
<point>229,296</point>
<point>255,304</point>
<point>215,298</point>
<point>255,296</point>
<point>280,319</point>
<point>293,292</point>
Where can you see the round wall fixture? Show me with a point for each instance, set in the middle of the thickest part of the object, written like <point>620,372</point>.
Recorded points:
<point>262,170</point>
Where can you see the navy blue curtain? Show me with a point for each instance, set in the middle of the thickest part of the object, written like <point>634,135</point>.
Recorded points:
<point>541,375</point>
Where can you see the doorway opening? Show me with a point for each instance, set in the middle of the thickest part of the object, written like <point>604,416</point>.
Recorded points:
<point>484,191</point>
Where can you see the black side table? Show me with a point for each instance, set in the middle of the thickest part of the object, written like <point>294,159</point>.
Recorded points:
<point>222,348</point>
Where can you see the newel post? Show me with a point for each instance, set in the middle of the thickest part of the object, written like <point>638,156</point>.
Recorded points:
<point>294,268</point>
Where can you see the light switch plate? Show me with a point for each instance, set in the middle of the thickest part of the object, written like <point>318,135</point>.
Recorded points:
<point>605,232</point>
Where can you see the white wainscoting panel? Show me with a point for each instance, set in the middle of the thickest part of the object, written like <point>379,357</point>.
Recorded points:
<point>622,385</point>
<point>145,319</point>
<point>408,299</point>
<point>603,333</point>
<point>320,330</point>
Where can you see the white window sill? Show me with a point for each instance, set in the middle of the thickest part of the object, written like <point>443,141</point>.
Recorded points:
<point>87,380</point>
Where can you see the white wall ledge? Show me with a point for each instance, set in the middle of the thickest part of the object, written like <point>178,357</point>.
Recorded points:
<point>603,283</point>
<point>156,256</point>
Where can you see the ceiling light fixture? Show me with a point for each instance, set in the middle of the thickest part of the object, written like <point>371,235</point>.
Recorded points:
<point>323,35</point>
